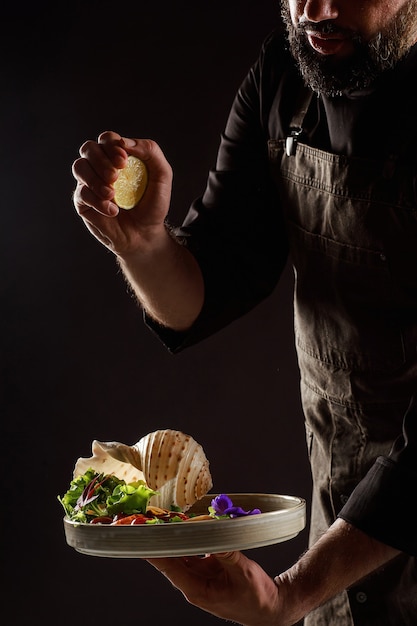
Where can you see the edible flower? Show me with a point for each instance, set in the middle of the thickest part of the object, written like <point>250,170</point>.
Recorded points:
<point>222,505</point>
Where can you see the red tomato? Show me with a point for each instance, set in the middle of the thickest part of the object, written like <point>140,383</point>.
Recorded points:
<point>139,519</point>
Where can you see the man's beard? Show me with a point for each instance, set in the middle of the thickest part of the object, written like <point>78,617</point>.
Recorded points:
<point>332,77</point>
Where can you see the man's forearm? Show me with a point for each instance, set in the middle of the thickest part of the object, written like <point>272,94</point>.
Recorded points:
<point>167,281</point>
<point>340,558</point>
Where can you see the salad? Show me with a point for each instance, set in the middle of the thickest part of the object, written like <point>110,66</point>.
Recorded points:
<point>97,498</point>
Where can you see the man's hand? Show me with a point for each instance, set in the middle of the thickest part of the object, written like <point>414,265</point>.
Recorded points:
<point>123,232</point>
<point>228,585</point>
<point>235,588</point>
<point>163,274</point>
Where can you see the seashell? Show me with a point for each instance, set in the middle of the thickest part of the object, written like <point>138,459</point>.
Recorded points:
<point>112,458</point>
<point>169,461</point>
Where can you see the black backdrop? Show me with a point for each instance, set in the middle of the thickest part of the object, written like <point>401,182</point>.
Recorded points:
<point>77,363</point>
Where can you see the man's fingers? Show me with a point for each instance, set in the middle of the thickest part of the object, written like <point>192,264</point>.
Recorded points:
<point>186,568</point>
<point>228,560</point>
<point>179,571</point>
<point>227,557</point>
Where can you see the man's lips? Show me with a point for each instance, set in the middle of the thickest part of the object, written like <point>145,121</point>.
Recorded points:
<point>327,44</point>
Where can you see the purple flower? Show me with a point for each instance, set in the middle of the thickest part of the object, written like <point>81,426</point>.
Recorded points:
<point>223,505</point>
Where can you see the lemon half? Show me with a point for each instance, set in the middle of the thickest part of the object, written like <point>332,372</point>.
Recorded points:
<point>131,183</point>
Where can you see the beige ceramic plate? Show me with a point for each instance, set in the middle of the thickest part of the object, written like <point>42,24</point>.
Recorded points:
<point>282,518</point>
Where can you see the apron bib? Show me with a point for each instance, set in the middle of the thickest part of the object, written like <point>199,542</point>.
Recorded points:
<point>352,232</point>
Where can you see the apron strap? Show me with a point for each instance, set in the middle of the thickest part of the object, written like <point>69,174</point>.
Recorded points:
<point>305,95</point>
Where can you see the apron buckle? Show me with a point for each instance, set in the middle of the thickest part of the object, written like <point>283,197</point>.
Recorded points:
<point>291,141</point>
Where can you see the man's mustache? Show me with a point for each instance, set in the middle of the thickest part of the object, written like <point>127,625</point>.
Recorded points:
<point>327,27</point>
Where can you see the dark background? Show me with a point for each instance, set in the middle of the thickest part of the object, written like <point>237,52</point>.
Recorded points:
<point>77,362</point>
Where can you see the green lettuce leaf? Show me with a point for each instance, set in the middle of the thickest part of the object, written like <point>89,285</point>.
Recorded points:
<point>95,495</point>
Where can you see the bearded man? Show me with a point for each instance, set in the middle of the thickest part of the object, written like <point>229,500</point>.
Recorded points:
<point>318,167</point>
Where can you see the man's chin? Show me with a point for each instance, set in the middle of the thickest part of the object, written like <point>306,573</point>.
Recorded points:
<point>333,74</point>
<point>330,75</point>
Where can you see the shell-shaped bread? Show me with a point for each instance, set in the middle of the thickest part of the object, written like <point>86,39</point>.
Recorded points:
<point>169,461</point>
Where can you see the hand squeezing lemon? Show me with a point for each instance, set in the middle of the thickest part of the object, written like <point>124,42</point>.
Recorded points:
<point>131,183</point>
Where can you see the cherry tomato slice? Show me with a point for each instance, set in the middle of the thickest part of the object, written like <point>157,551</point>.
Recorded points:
<point>102,520</point>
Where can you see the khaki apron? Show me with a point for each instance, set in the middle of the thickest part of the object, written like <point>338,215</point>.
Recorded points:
<point>352,229</point>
